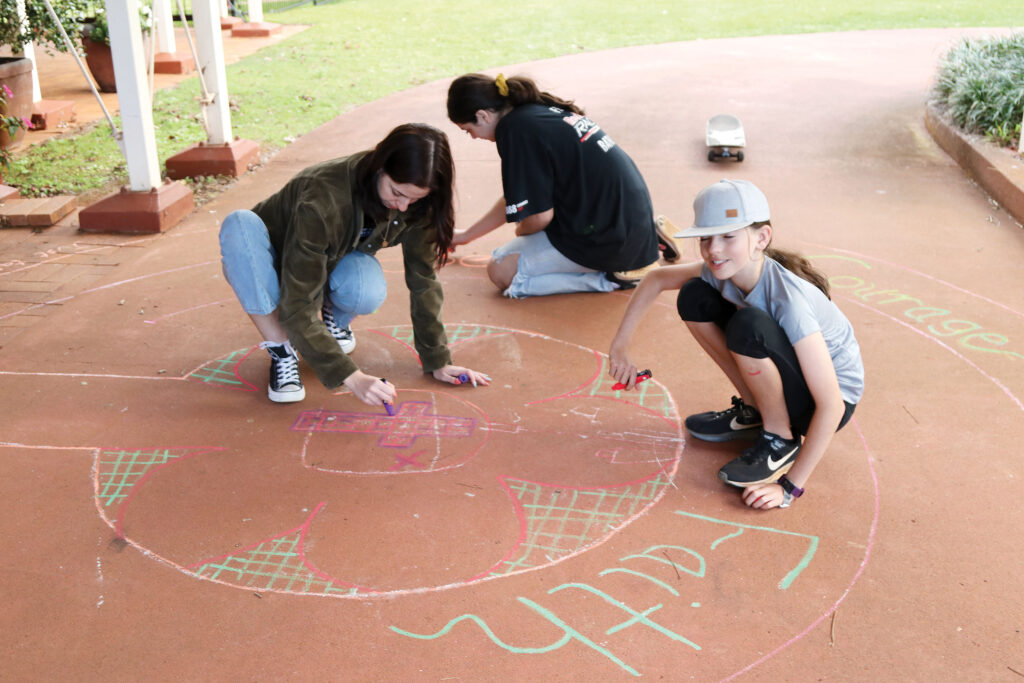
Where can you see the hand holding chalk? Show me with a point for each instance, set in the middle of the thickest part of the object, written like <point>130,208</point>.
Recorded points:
<point>387,406</point>
<point>457,375</point>
<point>640,377</point>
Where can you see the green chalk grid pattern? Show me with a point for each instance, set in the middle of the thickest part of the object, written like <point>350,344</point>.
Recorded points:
<point>117,472</point>
<point>561,521</point>
<point>649,394</point>
<point>273,565</point>
<point>222,371</point>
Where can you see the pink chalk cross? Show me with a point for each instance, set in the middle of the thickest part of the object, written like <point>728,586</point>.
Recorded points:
<point>410,422</point>
<point>403,461</point>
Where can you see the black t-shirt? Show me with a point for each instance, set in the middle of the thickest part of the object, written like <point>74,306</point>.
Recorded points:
<point>554,159</point>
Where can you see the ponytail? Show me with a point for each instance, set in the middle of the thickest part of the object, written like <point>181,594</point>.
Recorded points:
<point>796,264</point>
<point>470,93</point>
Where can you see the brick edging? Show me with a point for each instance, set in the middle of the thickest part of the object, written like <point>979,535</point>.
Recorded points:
<point>996,170</point>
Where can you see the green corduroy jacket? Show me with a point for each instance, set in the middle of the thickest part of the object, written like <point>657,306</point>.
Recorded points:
<point>315,220</point>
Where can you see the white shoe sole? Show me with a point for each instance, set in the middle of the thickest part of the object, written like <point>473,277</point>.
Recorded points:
<point>767,480</point>
<point>291,396</point>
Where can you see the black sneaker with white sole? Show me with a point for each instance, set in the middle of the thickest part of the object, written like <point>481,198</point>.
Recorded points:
<point>764,462</point>
<point>625,280</point>
<point>346,340</point>
<point>285,385</point>
<point>738,422</point>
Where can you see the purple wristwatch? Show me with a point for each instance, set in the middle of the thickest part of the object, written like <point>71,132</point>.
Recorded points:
<point>789,487</point>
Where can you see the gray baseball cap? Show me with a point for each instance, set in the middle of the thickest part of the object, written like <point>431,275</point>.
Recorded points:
<point>726,206</point>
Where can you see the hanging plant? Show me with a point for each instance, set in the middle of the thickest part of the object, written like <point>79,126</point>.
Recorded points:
<point>39,27</point>
<point>97,29</point>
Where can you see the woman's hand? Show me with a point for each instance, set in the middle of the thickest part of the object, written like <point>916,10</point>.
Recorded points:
<point>620,366</point>
<point>369,389</point>
<point>456,374</point>
<point>763,496</point>
<point>489,222</point>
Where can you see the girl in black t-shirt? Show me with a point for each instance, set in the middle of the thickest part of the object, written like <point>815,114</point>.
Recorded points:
<point>582,209</point>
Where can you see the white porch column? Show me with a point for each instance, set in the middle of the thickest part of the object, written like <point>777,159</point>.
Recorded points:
<point>163,16</point>
<point>139,143</point>
<point>255,11</point>
<point>29,51</point>
<point>210,49</point>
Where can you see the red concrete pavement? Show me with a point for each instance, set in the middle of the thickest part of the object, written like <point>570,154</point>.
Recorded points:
<point>164,520</point>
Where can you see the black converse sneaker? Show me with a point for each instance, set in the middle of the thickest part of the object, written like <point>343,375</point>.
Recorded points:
<point>346,340</point>
<point>738,422</point>
<point>285,384</point>
<point>764,462</point>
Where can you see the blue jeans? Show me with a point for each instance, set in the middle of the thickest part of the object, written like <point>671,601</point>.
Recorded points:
<point>542,270</point>
<point>356,286</point>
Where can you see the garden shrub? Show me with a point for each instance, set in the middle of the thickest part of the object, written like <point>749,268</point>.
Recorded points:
<point>980,84</point>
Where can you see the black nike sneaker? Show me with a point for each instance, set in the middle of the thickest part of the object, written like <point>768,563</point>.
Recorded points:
<point>764,462</point>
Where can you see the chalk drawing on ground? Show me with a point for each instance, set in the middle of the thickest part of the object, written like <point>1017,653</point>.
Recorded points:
<point>616,457</point>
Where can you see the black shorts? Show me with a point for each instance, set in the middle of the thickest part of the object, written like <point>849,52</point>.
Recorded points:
<point>753,333</point>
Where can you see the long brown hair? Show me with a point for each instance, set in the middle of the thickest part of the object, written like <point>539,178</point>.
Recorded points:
<point>417,154</point>
<point>795,263</point>
<point>473,92</point>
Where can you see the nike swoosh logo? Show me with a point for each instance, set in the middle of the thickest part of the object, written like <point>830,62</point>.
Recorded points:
<point>735,425</point>
<point>776,464</point>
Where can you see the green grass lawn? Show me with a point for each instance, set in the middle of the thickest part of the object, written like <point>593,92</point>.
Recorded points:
<point>357,51</point>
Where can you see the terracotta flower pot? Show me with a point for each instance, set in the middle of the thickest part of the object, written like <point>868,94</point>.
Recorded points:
<point>101,64</point>
<point>16,74</point>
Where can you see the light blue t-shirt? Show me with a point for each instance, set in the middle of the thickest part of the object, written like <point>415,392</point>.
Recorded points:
<point>801,309</point>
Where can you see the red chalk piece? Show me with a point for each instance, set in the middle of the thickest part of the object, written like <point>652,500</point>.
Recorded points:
<point>640,377</point>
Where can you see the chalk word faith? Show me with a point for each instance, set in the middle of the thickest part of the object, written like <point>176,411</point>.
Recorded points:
<point>658,554</point>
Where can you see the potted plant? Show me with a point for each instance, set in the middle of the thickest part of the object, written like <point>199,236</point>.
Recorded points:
<point>96,43</point>
<point>39,29</point>
<point>11,128</point>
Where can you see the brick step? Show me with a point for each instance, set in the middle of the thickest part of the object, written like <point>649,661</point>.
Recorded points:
<point>36,212</point>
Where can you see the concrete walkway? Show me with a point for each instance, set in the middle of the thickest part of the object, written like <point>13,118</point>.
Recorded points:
<point>165,521</point>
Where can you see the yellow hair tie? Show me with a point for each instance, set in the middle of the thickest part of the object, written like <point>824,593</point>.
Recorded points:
<point>502,85</point>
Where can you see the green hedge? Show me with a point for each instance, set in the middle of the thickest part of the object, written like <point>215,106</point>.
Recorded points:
<point>981,85</point>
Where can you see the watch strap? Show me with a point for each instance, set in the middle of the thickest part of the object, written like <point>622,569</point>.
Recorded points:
<point>789,487</point>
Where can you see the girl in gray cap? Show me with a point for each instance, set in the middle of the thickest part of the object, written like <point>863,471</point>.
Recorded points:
<point>765,317</point>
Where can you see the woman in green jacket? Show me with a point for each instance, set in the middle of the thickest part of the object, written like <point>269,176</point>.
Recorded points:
<point>302,261</point>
